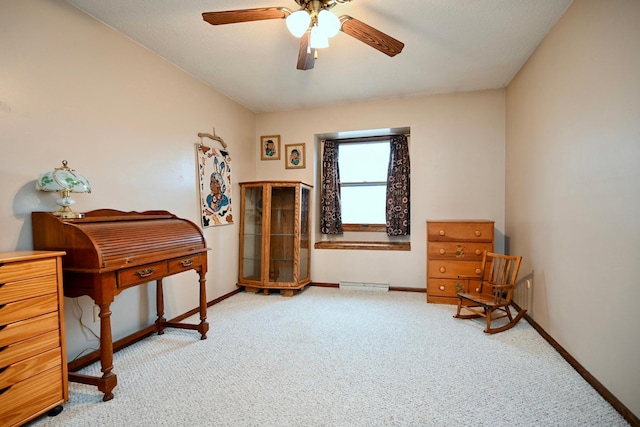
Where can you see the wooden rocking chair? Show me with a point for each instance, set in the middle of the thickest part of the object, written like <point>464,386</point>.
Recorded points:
<point>494,293</point>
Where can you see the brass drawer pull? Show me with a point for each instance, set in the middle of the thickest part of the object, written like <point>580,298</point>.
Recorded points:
<point>145,273</point>
<point>442,269</point>
<point>441,232</point>
<point>478,233</point>
<point>187,262</point>
<point>442,287</point>
<point>478,252</point>
<point>478,271</point>
<point>442,251</point>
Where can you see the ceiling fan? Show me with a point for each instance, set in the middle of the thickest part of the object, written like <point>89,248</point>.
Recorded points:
<point>314,24</point>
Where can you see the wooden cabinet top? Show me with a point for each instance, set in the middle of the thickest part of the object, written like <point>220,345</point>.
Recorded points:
<point>276,182</point>
<point>15,256</point>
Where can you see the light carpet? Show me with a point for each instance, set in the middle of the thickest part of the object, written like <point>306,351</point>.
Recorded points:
<point>330,357</point>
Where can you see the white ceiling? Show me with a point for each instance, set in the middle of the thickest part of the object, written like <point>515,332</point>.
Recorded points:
<point>450,46</point>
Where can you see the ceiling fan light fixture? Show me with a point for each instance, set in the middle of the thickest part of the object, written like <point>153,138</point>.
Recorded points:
<point>328,23</point>
<point>318,39</point>
<point>298,22</point>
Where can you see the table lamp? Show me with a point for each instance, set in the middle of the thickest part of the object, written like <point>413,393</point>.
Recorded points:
<point>66,181</point>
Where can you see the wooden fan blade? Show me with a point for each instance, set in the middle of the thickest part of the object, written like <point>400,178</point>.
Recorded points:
<point>245,15</point>
<point>369,35</point>
<point>306,55</point>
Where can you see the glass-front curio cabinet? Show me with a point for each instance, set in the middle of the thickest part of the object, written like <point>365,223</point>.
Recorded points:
<point>275,222</point>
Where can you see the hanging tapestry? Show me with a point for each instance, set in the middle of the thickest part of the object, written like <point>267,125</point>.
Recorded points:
<point>215,186</point>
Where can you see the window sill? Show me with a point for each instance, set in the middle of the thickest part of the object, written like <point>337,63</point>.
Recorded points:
<point>365,227</point>
<point>376,246</point>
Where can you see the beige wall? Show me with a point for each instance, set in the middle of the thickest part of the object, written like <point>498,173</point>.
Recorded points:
<point>573,187</point>
<point>72,88</point>
<point>457,171</point>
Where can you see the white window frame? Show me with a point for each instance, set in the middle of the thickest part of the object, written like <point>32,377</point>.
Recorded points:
<point>362,226</point>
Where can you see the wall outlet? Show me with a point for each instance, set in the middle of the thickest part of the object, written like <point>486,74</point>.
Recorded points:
<point>96,313</point>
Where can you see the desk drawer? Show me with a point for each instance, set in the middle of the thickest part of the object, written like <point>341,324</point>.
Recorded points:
<point>30,347</point>
<point>141,274</point>
<point>185,263</point>
<point>27,368</point>
<point>12,271</point>
<point>25,329</point>
<point>40,392</point>
<point>27,308</point>
<point>23,289</point>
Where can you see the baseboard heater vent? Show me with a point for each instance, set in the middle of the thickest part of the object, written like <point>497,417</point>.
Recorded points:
<point>365,286</point>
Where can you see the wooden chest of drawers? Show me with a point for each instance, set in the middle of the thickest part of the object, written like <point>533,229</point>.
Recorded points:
<point>33,367</point>
<point>455,248</point>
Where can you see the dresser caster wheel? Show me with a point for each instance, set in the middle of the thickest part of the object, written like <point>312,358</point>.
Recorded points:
<point>55,411</point>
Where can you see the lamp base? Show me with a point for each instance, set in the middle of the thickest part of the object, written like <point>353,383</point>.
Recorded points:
<point>66,213</point>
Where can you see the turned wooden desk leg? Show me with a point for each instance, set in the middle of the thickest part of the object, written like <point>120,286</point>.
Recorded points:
<point>203,327</point>
<point>109,379</point>
<point>160,321</point>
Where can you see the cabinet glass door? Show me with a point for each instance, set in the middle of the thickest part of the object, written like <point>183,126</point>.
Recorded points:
<point>252,245</point>
<point>305,253</point>
<point>282,227</point>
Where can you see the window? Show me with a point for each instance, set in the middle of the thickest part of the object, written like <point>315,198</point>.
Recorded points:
<point>363,181</point>
<point>365,186</point>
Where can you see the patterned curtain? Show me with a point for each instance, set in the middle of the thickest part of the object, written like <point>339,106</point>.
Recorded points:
<point>331,220</point>
<point>398,185</point>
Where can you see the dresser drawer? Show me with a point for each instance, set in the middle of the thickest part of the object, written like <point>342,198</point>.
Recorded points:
<point>442,287</point>
<point>12,271</point>
<point>25,329</point>
<point>141,274</point>
<point>27,308</point>
<point>448,288</point>
<point>37,394</point>
<point>185,263</point>
<point>23,289</point>
<point>460,251</point>
<point>444,269</point>
<point>27,368</point>
<point>460,231</point>
<point>30,347</point>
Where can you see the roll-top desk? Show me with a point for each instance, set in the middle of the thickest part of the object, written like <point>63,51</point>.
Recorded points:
<point>109,251</point>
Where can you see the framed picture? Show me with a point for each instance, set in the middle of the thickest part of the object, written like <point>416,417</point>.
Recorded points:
<point>294,156</point>
<point>270,147</point>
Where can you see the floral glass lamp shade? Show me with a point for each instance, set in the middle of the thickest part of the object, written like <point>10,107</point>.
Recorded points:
<point>66,181</point>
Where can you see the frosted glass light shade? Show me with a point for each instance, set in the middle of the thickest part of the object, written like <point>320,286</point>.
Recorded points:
<point>318,39</point>
<point>298,22</point>
<point>328,23</point>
